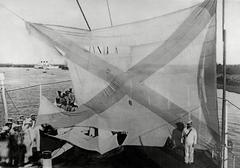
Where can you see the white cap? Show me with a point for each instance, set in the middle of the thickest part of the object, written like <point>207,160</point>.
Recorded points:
<point>189,122</point>
<point>5,128</point>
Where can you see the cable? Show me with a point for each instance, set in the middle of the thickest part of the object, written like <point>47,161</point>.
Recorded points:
<point>83,15</point>
<point>230,103</point>
<point>109,13</point>
<point>38,85</point>
<point>62,26</point>
<point>12,12</point>
<point>13,102</point>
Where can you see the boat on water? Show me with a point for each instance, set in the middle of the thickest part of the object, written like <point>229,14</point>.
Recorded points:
<point>44,64</point>
<point>133,83</point>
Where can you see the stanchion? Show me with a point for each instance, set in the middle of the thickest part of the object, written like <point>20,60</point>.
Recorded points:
<point>46,159</point>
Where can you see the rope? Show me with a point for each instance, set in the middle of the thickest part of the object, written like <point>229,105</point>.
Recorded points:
<point>14,105</point>
<point>62,26</point>
<point>25,106</point>
<point>12,12</point>
<point>38,85</point>
<point>83,15</point>
<point>109,13</point>
<point>230,103</point>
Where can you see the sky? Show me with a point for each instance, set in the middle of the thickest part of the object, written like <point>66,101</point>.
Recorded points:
<point>18,46</point>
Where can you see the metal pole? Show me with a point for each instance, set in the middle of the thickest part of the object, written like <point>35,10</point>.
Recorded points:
<point>83,15</point>
<point>224,114</point>
<point>40,91</point>
<point>4,97</point>
<point>234,159</point>
<point>226,138</point>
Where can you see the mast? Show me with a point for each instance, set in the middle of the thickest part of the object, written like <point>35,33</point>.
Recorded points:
<point>2,78</point>
<point>40,92</point>
<point>224,139</point>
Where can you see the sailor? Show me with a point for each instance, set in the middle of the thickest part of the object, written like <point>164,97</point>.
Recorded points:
<point>12,145</point>
<point>10,120</point>
<point>4,150</point>
<point>28,138</point>
<point>5,130</point>
<point>63,101</point>
<point>9,125</point>
<point>20,122</point>
<point>21,150</point>
<point>22,117</point>
<point>58,97</point>
<point>176,138</point>
<point>66,97</point>
<point>72,99</point>
<point>189,139</point>
<point>33,118</point>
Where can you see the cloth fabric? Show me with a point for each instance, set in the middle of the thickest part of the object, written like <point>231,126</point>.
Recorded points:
<point>164,65</point>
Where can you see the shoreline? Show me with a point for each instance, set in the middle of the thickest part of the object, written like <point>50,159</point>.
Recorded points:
<point>230,88</point>
<point>23,65</point>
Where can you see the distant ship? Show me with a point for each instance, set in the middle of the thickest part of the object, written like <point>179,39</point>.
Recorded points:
<point>44,64</point>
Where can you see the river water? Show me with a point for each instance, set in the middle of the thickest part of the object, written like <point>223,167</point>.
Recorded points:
<point>25,101</point>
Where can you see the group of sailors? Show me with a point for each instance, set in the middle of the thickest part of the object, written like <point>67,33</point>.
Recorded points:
<point>66,100</point>
<point>18,141</point>
<point>183,140</point>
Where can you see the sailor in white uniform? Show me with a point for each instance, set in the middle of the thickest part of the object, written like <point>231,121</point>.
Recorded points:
<point>189,139</point>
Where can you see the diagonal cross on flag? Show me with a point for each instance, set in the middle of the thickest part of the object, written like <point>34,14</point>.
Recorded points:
<point>131,82</point>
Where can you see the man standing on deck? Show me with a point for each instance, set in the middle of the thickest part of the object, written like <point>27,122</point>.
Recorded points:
<point>177,138</point>
<point>189,139</point>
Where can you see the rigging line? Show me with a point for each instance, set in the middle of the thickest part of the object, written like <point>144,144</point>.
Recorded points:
<point>67,27</point>
<point>148,19</point>
<point>109,13</point>
<point>14,105</point>
<point>12,12</point>
<point>38,85</point>
<point>71,32</point>
<point>230,103</point>
<point>26,106</point>
<point>83,14</point>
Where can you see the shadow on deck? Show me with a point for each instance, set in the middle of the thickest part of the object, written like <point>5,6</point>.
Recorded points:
<point>135,157</point>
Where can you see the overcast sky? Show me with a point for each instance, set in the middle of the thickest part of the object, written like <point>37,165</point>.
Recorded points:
<point>17,46</point>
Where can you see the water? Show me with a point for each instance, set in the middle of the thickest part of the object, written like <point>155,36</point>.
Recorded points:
<point>26,101</point>
<point>233,114</point>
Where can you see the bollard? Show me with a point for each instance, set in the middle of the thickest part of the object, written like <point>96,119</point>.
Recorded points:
<point>46,159</point>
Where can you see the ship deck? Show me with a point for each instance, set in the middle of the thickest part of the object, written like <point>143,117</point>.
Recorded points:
<point>144,157</point>
<point>133,157</point>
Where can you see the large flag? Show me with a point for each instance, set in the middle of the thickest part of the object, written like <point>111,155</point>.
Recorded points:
<point>86,137</point>
<point>143,77</point>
